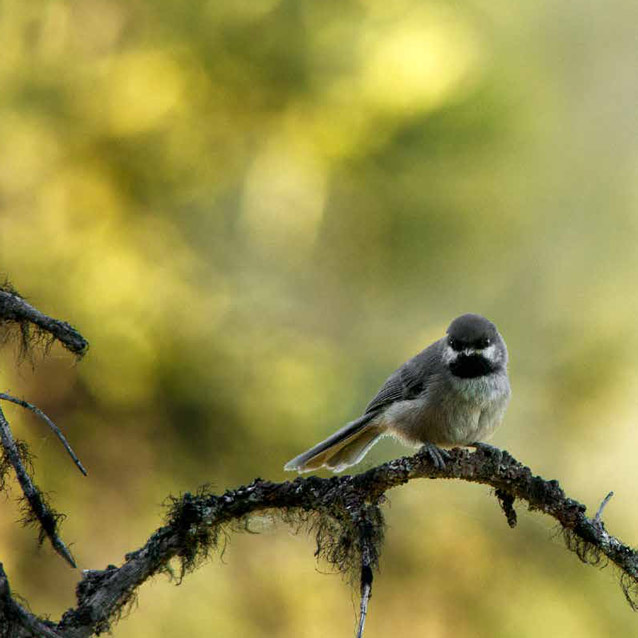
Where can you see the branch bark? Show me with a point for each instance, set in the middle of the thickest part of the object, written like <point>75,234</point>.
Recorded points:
<point>15,310</point>
<point>345,514</point>
<point>34,326</point>
<point>52,426</point>
<point>37,508</point>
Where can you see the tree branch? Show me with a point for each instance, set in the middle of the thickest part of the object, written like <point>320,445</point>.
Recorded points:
<point>34,326</point>
<point>14,310</point>
<point>38,510</point>
<point>345,515</point>
<point>54,428</point>
<point>18,620</point>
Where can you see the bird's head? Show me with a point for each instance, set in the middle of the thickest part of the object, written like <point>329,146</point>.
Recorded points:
<point>473,347</point>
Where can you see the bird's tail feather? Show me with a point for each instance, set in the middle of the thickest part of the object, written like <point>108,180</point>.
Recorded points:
<point>345,447</point>
<point>351,453</point>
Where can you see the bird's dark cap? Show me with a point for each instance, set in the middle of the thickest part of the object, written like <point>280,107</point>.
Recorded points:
<point>470,329</point>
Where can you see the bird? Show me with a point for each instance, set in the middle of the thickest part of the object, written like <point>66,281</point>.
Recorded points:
<point>452,393</point>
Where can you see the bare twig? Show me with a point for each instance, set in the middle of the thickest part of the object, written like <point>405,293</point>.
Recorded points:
<point>366,590</point>
<point>345,514</point>
<point>37,507</point>
<point>368,520</point>
<point>599,513</point>
<point>49,422</point>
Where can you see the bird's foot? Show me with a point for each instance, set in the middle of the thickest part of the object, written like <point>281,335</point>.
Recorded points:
<point>489,450</point>
<point>437,455</point>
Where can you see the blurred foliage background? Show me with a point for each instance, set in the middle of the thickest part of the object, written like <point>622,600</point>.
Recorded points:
<point>255,210</point>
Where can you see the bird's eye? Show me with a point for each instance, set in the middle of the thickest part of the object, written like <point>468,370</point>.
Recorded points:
<point>483,343</point>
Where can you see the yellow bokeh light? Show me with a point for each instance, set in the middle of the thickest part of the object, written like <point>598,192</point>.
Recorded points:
<point>416,63</point>
<point>141,90</point>
<point>284,199</point>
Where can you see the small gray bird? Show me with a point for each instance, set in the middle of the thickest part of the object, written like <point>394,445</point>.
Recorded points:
<point>452,393</point>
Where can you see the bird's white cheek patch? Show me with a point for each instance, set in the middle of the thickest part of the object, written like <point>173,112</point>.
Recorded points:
<point>449,355</point>
<point>489,353</point>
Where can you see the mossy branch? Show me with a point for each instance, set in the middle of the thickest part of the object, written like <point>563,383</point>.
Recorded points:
<point>345,515</point>
<point>34,328</point>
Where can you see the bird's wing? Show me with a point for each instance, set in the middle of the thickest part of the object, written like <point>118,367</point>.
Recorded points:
<point>407,382</point>
<point>391,391</point>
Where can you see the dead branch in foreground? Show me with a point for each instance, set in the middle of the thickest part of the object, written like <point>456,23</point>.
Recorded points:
<point>344,513</point>
<point>34,328</point>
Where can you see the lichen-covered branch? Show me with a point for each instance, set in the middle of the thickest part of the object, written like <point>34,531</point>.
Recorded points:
<point>15,619</point>
<point>37,510</point>
<point>34,327</point>
<point>344,513</point>
<point>33,324</point>
<point>52,426</point>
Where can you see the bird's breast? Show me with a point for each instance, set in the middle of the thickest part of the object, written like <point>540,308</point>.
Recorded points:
<point>480,390</point>
<point>451,412</point>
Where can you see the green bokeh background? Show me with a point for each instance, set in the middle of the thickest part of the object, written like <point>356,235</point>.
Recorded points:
<point>255,210</point>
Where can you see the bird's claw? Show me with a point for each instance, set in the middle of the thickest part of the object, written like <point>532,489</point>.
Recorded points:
<point>488,449</point>
<point>437,455</point>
